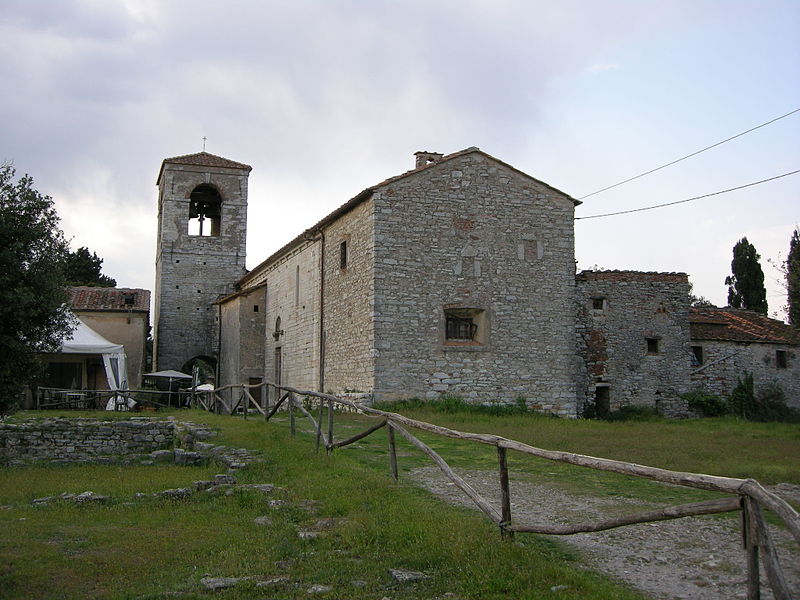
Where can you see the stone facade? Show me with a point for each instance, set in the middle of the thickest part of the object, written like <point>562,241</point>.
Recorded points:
<point>471,236</point>
<point>74,440</point>
<point>633,332</point>
<point>728,343</point>
<point>195,268</point>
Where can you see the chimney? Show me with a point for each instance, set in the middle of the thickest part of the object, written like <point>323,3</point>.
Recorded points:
<point>425,158</point>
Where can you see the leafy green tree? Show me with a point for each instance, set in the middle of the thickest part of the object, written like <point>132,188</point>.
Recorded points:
<point>33,312</point>
<point>793,278</point>
<point>83,268</point>
<point>746,284</point>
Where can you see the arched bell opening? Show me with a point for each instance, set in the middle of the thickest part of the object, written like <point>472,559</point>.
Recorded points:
<point>205,211</point>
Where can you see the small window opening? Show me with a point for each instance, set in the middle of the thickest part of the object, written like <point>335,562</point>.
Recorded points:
<point>278,331</point>
<point>255,307</point>
<point>652,346</point>
<point>781,359</point>
<point>461,328</point>
<point>343,254</point>
<point>128,299</point>
<point>697,356</point>
<point>297,285</point>
<point>598,303</point>
<point>205,210</point>
<point>465,326</point>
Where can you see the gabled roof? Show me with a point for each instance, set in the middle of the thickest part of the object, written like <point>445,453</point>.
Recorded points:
<point>367,193</point>
<point>202,159</point>
<point>109,299</point>
<point>736,325</point>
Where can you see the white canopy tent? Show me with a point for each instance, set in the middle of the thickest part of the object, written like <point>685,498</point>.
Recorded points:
<point>85,340</point>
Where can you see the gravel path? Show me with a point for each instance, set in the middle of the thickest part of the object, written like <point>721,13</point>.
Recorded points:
<point>695,557</point>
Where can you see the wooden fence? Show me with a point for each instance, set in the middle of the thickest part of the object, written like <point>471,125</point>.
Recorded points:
<point>747,495</point>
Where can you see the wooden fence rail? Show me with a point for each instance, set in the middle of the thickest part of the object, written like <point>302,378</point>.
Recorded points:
<point>748,494</point>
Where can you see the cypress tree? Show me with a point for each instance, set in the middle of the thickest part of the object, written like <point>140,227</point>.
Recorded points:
<point>793,279</point>
<point>746,284</point>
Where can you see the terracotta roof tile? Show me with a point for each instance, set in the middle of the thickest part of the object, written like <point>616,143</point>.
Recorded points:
<point>632,276</point>
<point>110,299</point>
<point>736,325</point>
<point>202,159</point>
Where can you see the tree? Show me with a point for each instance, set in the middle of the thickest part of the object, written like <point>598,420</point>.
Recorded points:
<point>33,312</point>
<point>746,284</point>
<point>793,278</point>
<point>83,268</point>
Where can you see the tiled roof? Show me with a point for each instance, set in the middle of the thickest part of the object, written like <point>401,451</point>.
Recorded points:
<point>202,159</point>
<point>311,232</point>
<point>632,276</point>
<point>736,325</point>
<point>110,299</point>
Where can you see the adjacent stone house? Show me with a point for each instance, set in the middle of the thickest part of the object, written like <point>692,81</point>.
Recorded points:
<point>120,315</point>
<point>633,335</point>
<point>726,343</point>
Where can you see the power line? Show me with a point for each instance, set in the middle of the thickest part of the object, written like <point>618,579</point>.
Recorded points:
<point>692,154</point>
<point>733,189</point>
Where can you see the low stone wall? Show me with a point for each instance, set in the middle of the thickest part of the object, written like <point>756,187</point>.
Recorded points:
<point>75,440</point>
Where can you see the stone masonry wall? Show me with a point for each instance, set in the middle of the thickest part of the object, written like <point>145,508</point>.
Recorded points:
<point>292,294</point>
<point>349,302</point>
<point>617,312</point>
<point>80,439</point>
<point>472,233</point>
<point>242,332</point>
<point>194,271</point>
<point>728,361</point>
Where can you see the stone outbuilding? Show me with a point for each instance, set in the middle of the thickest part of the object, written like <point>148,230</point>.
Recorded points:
<point>120,315</point>
<point>726,343</point>
<point>633,335</point>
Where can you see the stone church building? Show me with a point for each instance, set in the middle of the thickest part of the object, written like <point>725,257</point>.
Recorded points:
<point>454,278</point>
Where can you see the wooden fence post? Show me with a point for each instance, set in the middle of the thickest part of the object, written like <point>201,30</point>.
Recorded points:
<point>245,403</point>
<point>291,415</point>
<point>392,450</point>
<point>330,425</point>
<point>750,542</point>
<point>319,423</point>
<point>505,494</point>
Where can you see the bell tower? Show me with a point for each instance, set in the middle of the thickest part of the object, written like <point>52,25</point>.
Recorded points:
<point>200,252</point>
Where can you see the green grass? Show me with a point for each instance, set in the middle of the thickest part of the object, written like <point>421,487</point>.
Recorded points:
<point>154,548</point>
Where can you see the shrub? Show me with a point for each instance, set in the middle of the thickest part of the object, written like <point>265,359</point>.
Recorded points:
<point>768,405</point>
<point>706,404</point>
<point>632,413</point>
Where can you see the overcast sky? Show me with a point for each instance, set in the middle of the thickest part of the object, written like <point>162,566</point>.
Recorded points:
<point>325,98</point>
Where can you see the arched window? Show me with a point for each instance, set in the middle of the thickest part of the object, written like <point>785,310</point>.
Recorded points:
<point>205,211</point>
<point>278,331</point>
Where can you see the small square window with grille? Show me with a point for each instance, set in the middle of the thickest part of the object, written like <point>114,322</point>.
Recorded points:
<point>460,328</point>
<point>652,346</point>
<point>465,327</point>
<point>598,303</point>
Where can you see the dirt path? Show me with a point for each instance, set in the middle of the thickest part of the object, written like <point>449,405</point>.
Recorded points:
<point>695,557</point>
